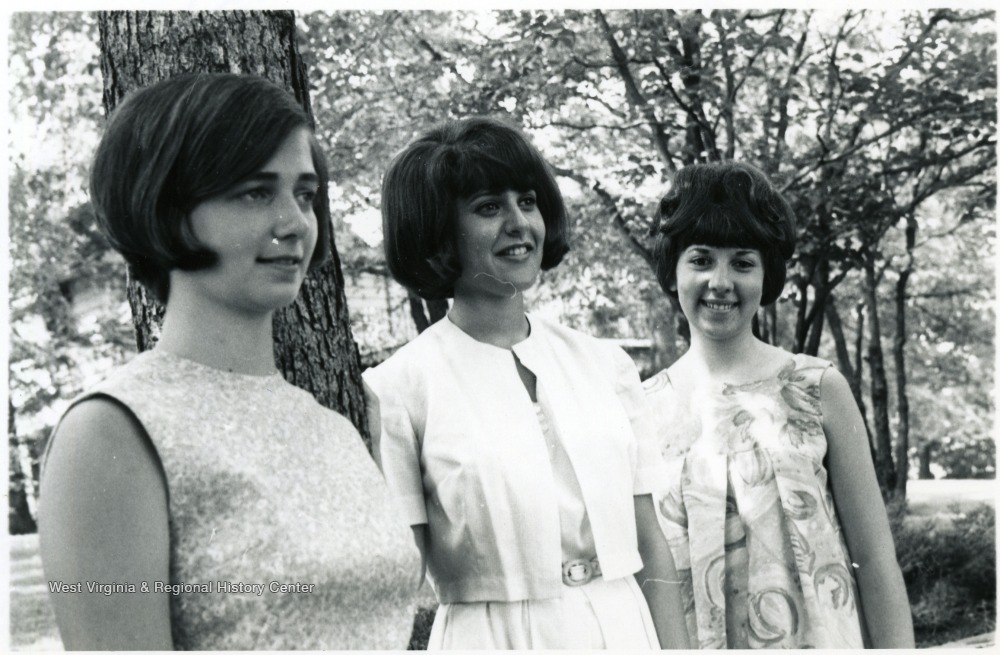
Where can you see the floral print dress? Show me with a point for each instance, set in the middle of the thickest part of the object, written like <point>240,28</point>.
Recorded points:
<point>746,507</point>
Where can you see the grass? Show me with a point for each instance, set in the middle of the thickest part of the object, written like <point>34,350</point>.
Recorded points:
<point>32,624</point>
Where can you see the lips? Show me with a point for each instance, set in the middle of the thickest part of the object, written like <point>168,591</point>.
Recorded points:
<point>719,306</point>
<point>515,250</point>
<point>282,260</point>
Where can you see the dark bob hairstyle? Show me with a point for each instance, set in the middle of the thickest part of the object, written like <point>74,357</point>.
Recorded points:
<point>725,205</point>
<point>176,143</point>
<point>421,190</point>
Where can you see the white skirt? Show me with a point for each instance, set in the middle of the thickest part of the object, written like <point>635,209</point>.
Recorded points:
<point>602,614</point>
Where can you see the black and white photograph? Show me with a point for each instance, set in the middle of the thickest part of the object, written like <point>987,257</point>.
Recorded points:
<point>581,326</point>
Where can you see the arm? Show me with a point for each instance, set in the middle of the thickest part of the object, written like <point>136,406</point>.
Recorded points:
<point>885,607</point>
<point>104,519</point>
<point>658,579</point>
<point>397,453</point>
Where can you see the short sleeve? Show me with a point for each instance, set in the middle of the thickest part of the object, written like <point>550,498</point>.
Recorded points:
<point>648,464</point>
<point>399,449</point>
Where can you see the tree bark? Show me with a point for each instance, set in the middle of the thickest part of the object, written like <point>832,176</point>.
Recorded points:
<point>313,344</point>
<point>884,467</point>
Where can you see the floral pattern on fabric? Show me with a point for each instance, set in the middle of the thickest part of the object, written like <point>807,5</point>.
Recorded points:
<point>746,507</point>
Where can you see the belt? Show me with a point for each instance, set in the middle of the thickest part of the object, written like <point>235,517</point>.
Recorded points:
<point>578,572</point>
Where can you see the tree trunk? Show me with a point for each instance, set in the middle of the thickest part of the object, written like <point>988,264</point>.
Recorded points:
<point>20,482</point>
<point>884,467</point>
<point>851,371</point>
<point>437,309</point>
<point>662,327</point>
<point>313,345</point>
<point>425,313</point>
<point>899,358</point>
<point>925,461</point>
<point>859,343</point>
<point>416,304</point>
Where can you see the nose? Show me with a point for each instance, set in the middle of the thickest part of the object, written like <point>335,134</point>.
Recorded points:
<point>292,218</point>
<point>720,280</point>
<point>517,221</point>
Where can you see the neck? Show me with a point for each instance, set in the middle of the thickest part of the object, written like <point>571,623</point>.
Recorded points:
<point>218,337</point>
<point>494,320</point>
<point>728,360</point>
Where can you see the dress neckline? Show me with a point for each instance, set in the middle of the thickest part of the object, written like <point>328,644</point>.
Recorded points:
<point>450,326</point>
<point>195,366</point>
<point>723,387</point>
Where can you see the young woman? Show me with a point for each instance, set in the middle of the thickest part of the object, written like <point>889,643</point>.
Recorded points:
<point>194,499</point>
<point>769,499</point>
<point>511,443</point>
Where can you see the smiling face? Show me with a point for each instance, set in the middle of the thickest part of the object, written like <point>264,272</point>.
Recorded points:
<point>499,238</point>
<point>719,289</point>
<point>263,230</point>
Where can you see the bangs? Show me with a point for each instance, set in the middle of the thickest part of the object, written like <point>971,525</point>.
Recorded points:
<point>724,227</point>
<point>493,167</point>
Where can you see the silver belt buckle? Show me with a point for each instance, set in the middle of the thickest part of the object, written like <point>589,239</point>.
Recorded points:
<point>578,572</point>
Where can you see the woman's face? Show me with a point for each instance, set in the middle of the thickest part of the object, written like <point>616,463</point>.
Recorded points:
<point>499,239</point>
<point>263,230</point>
<point>720,289</point>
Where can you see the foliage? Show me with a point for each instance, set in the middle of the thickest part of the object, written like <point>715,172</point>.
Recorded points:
<point>56,253</point>
<point>867,118</point>
<point>870,121</point>
<point>949,567</point>
<point>422,624</point>
<point>967,459</point>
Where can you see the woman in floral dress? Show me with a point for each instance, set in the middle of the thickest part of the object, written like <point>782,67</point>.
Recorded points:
<point>769,499</point>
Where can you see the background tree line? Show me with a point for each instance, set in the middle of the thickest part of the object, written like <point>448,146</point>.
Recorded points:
<point>880,127</point>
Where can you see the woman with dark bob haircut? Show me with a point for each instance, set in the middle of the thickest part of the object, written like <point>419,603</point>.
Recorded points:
<point>453,161</point>
<point>511,443</point>
<point>194,499</point>
<point>768,496</point>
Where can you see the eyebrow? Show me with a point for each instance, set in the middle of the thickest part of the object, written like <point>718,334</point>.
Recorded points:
<point>265,176</point>
<point>741,251</point>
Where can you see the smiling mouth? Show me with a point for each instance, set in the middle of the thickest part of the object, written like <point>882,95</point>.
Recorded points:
<point>719,306</point>
<point>515,251</point>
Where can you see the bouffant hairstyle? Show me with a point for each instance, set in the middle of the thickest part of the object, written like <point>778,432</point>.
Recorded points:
<point>725,205</point>
<point>178,142</point>
<point>454,160</point>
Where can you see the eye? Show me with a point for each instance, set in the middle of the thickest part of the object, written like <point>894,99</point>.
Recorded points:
<point>745,264</point>
<point>528,201</point>
<point>699,261</point>
<point>256,194</point>
<point>487,208</point>
<point>307,196</point>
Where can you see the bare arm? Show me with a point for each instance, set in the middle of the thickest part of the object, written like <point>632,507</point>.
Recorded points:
<point>658,578</point>
<point>884,603</point>
<point>104,519</point>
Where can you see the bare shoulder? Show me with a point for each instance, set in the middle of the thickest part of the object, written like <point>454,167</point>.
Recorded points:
<point>104,517</point>
<point>101,462</point>
<point>834,388</point>
<point>841,415</point>
<point>99,434</point>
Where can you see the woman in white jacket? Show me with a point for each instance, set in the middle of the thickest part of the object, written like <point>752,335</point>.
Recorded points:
<point>510,443</point>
